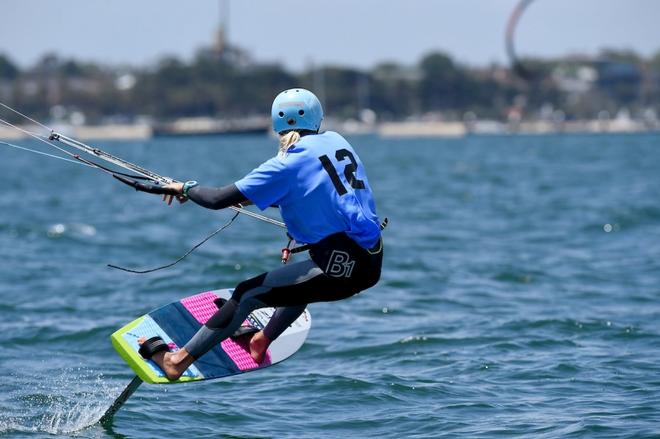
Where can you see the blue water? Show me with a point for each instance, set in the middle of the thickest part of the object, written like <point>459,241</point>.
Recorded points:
<point>519,298</point>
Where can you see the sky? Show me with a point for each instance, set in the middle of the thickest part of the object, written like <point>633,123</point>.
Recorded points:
<point>298,33</point>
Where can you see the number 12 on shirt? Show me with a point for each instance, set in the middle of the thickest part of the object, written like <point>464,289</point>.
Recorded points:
<point>349,171</point>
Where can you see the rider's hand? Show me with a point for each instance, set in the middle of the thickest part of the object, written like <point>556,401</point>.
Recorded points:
<point>178,187</point>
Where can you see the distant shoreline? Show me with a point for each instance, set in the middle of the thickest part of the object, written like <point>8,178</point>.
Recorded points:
<point>403,129</point>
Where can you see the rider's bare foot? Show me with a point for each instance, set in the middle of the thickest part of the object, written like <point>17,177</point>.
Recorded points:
<point>258,346</point>
<point>174,364</point>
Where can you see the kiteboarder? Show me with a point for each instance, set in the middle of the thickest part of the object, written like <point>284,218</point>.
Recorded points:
<point>320,185</point>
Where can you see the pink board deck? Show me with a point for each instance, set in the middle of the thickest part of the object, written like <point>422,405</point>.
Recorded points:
<point>202,307</point>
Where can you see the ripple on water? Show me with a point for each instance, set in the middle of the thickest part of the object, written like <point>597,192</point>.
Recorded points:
<point>518,296</point>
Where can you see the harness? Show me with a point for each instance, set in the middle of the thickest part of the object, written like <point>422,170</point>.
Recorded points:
<point>288,250</point>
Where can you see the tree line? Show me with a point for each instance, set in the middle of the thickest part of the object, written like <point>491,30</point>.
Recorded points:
<point>437,86</point>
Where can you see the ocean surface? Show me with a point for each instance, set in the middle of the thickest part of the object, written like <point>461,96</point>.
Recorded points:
<point>520,295</point>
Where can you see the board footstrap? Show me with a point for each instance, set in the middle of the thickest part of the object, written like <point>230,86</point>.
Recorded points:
<point>152,346</point>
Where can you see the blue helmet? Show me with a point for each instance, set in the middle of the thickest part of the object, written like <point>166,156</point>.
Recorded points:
<point>296,109</point>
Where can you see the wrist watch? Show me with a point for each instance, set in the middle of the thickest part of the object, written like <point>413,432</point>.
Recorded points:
<point>187,186</point>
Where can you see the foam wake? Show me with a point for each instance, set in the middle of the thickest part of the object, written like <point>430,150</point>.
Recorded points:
<point>66,404</point>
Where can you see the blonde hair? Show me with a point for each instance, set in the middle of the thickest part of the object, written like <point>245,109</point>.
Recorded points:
<point>287,140</point>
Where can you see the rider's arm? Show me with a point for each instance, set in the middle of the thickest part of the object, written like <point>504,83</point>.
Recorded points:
<point>217,198</point>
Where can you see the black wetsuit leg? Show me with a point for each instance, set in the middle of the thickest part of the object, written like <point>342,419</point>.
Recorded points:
<point>339,268</point>
<point>281,319</point>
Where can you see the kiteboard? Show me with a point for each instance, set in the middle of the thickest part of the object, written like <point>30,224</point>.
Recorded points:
<point>177,322</point>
